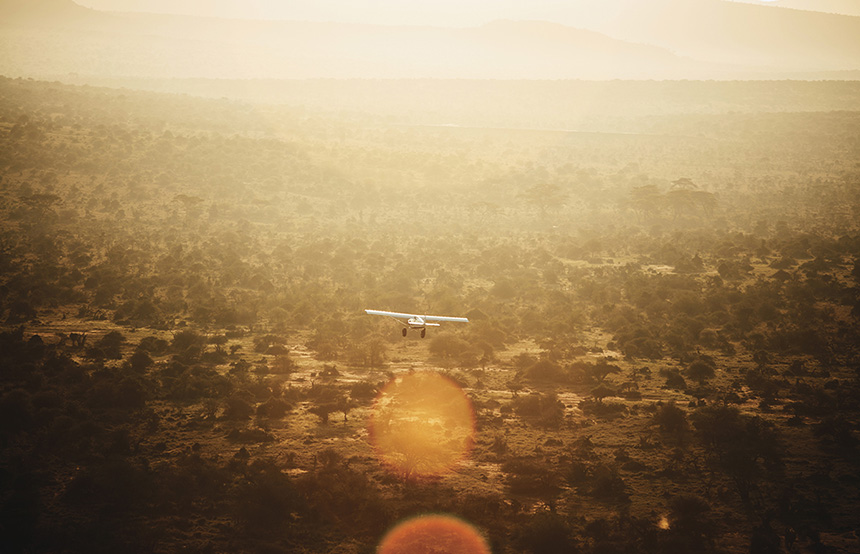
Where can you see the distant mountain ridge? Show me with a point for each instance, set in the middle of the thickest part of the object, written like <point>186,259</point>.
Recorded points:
<point>182,46</point>
<point>41,10</point>
<point>660,39</point>
<point>846,7</point>
<point>762,35</point>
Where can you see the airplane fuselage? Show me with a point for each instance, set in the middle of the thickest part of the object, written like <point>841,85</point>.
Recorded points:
<point>420,323</point>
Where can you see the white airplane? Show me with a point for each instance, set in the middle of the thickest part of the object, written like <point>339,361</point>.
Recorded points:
<point>415,321</point>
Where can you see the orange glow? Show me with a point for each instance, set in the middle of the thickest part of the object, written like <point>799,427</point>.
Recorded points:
<point>422,424</point>
<point>433,534</point>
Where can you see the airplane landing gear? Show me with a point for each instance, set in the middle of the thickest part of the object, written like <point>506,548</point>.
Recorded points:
<point>423,332</point>
<point>404,331</point>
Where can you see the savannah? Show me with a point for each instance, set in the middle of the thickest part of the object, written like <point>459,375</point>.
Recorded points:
<point>661,277</point>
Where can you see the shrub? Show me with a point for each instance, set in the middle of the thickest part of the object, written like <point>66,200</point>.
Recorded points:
<point>186,339</point>
<point>605,484</point>
<point>246,436</point>
<point>240,405</point>
<point>675,381</point>
<point>111,390</point>
<point>744,447</point>
<point>117,485</point>
<point>547,409</point>
<point>528,476</point>
<point>690,528</point>
<point>363,391</point>
<point>671,418</point>
<point>602,391</point>
<point>700,370</point>
<point>597,408</point>
<point>16,412</point>
<point>343,497</point>
<point>140,361</point>
<point>578,473</point>
<point>448,346</point>
<point>523,360</point>
<point>546,370</point>
<point>214,357</point>
<point>266,499</point>
<point>153,345</point>
<point>273,408</point>
<point>323,411</point>
<point>546,533</point>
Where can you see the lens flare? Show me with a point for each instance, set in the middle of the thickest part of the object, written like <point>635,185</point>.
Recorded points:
<point>433,534</point>
<point>422,424</point>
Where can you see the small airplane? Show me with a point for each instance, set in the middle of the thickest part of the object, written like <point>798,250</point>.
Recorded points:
<point>415,321</point>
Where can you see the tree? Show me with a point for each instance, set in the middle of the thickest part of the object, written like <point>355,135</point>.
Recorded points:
<point>602,391</point>
<point>646,200</point>
<point>265,499</point>
<point>449,346</point>
<point>545,196</point>
<point>690,529</point>
<point>546,533</point>
<point>344,405</point>
<point>601,370</point>
<point>746,448</point>
<point>369,352</point>
<point>691,201</point>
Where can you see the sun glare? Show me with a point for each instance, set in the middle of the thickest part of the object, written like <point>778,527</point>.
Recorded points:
<point>433,534</point>
<point>422,424</point>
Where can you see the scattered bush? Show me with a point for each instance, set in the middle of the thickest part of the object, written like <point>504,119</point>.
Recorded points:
<point>671,418</point>
<point>273,408</point>
<point>546,533</point>
<point>546,371</point>
<point>545,409</point>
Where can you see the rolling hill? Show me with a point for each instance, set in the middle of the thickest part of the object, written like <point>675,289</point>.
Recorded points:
<point>702,39</point>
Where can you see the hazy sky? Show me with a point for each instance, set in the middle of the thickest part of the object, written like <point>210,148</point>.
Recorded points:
<point>435,12</point>
<point>579,13</point>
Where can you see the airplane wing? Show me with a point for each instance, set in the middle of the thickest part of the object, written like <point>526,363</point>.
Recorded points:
<point>444,318</point>
<point>397,315</point>
<point>400,315</point>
